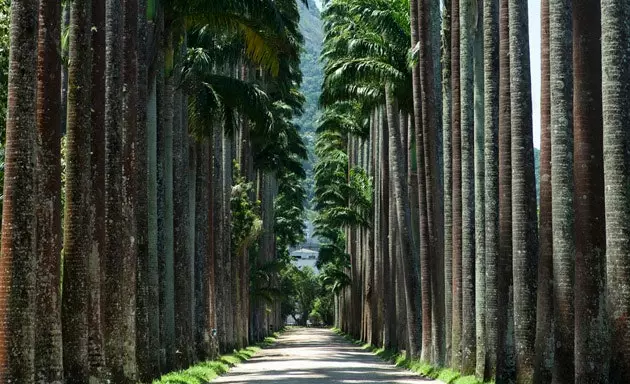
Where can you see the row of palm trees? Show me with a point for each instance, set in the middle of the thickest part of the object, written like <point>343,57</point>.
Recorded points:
<point>137,239</point>
<point>457,263</point>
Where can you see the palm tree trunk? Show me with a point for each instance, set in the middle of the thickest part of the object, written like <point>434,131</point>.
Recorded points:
<point>202,232</point>
<point>448,180</point>
<point>143,262</point>
<point>97,226</point>
<point>491,128</point>
<point>408,250</point>
<point>480,214</point>
<point>615,30</point>
<point>182,263</point>
<point>218,239</point>
<point>524,210</point>
<point>165,206</point>
<point>18,261</point>
<point>466,15</point>
<point>115,226</point>
<point>130,175</point>
<point>388,307</point>
<point>591,330</point>
<point>561,89</point>
<point>505,302</point>
<point>77,233</point>
<point>48,343</point>
<point>544,314</point>
<point>456,168</point>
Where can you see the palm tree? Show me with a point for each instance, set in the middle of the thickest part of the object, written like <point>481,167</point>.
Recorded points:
<point>544,344</point>
<point>18,255</point>
<point>97,224</point>
<point>591,345</point>
<point>561,88</point>
<point>480,224</point>
<point>130,175</point>
<point>491,126</point>
<point>615,33</point>
<point>457,323</point>
<point>48,344</point>
<point>525,223</point>
<point>77,233</point>
<point>505,346</point>
<point>115,294</point>
<point>466,17</point>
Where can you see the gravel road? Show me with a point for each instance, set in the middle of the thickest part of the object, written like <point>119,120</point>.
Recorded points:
<point>317,356</point>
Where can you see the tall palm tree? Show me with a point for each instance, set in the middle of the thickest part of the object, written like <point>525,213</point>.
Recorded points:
<point>77,234</point>
<point>97,224</point>
<point>544,314</point>
<point>115,297</point>
<point>505,346</point>
<point>615,33</point>
<point>457,323</point>
<point>467,18</point>
<point>591,345</point>
<point>130,177</point>
<point>17,254</point>
<point>561,89</point>
<point>480,224</point>
<point>447,171</point>
<point>524,211</point>
<point>491,127</point>
<point>48,344</point>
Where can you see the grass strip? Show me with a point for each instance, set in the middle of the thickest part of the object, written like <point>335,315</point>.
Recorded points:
<point>446,375</point>
<point>206,371</point>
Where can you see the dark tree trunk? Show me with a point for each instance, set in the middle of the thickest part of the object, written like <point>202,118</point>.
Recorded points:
<point>616,74</point>
<point>505,346</point>
<point>77,232</point>
<point>18,261</point>
<point>524,210</point>
<point>48,343</point>
<point>456,140</point>
<point>491,127</point>
<point>591,329</point>
<point>96,355</point>
<point>561,88</point>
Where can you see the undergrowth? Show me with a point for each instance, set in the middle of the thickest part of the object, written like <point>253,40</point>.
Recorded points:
<point>204,372</point>
<point>446,375</point>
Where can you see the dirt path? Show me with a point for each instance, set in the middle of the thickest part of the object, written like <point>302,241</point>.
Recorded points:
<point>317,356</point>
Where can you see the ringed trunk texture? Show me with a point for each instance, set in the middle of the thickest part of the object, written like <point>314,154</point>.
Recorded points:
<point>591,329</point>
<point>544,344</point>
<point>17,255</point>
<point>524,206</point>
<point>77,233</point>
<point>491,142</point>
<point>97,226</point>
<point>561,89</point>
<point>615,37</point>
<point>48,343</point>
<point>456,158</point>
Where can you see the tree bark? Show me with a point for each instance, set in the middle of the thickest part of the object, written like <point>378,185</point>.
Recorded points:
<point>18,257</point>
<point>561,89</point>
<point>491,128</point>
<point>77,233</point>
<point>48,342</point>
<point>544,344</point>
<point>615,40</point>
<point>591,329</point>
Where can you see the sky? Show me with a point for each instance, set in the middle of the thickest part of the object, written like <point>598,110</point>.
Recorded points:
<point>534,48</point>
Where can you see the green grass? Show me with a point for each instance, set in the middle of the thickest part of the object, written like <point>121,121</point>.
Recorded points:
<point>205,372</point>
<point>446,375</point>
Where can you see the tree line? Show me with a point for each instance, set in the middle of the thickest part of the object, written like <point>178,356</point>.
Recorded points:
<point>440,247</point>
<point>152,183</point>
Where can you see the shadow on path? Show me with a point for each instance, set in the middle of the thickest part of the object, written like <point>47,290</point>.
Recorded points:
<point>317,356</point>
